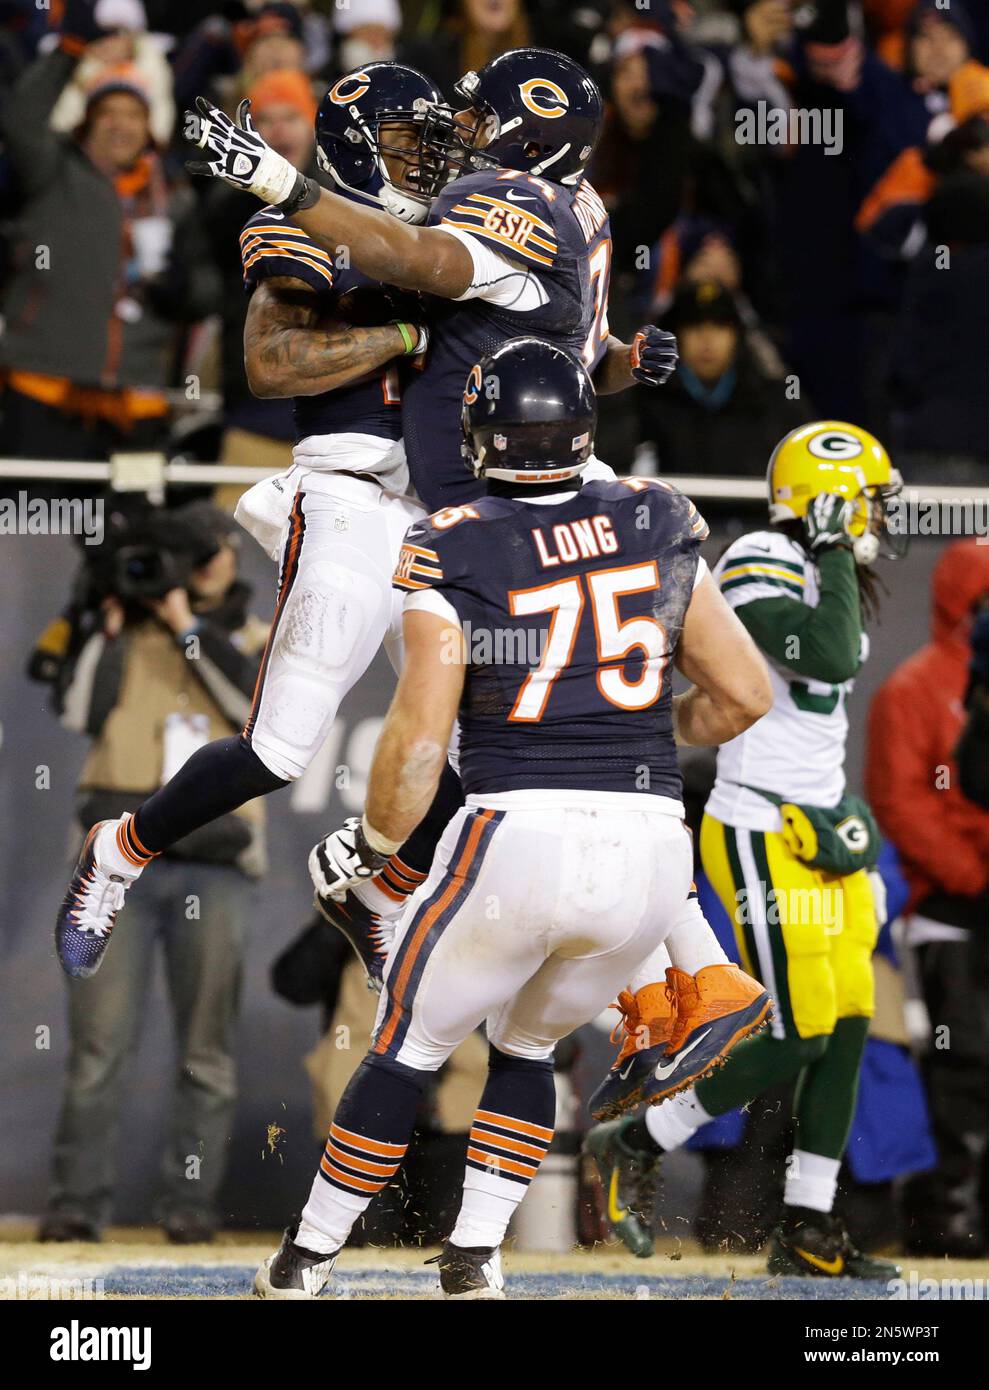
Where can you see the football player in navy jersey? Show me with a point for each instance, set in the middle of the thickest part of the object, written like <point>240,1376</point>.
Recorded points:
<point>517,242</point>
<point>545,615</point>
<point>320,331</point>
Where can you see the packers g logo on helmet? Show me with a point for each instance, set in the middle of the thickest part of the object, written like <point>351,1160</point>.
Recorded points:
<point>835,444</point>
<point>827,456</point>
<point>350,88</point>
<point>544,98</point>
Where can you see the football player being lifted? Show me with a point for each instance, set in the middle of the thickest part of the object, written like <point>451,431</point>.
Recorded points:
<point>320,331</point>
<point>545,615</point>
<point>788,851</point>
<point>505,249</point>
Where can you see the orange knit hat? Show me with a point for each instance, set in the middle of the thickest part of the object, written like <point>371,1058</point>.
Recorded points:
<point>283,87</point>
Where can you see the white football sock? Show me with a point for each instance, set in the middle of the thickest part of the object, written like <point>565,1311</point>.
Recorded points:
<point>327,1217</point>
<point>484,1213</point>
<point>811,1180</point>
<point>673,1121</point>
<point>652,971</point>
<point>109,855</point>
<point>691,942</point>
<point>374,897</point>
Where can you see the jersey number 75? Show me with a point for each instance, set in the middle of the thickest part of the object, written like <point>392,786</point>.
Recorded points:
<point>615,640</point>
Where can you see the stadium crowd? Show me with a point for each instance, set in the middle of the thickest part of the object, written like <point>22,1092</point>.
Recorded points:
<point>788,184</point>
<point>802,267</point>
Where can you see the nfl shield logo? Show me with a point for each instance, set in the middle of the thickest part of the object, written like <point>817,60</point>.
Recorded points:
<point>500,442</point>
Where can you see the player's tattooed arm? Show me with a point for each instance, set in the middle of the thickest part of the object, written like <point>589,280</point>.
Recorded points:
<point>291,350</point>
<point>412,747</point>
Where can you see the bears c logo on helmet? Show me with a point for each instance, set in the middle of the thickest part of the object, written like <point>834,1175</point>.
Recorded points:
<point>350,88</point>
<point>473,388</point>
<point>544,98</point>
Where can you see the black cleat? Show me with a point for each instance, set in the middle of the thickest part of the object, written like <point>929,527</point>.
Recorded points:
<point>629,1178</point>
<point>473,1272</point>
<point>294,1272</point>
<point>186,1227</point>
<point>816,1245</point>
<point>364,931</point>
<point>68,1225</point>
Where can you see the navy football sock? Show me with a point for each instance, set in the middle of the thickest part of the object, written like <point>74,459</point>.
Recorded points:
<point>215,781</point>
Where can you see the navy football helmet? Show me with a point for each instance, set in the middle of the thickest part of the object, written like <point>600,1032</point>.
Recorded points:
<point>529,414</point>
<point>539,112</point>
<point>350,143</point>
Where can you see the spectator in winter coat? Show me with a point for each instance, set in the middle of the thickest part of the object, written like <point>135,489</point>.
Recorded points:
<point>645,143</point>
<point>88,342</point>
<point>474,32</point>
<point>943,842</point>
<point>720,414</point>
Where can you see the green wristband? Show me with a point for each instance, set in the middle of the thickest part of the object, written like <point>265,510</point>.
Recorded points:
<point>410,340</point>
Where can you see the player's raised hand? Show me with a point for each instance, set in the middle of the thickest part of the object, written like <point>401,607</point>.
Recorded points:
<point>826,522</point>
<point>653,355</point>
<point>237,153</point>
<point>343,860</point>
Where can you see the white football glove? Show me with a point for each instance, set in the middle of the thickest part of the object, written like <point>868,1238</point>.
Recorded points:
<point>826,522</point>
<point>238,154</point>
<point>343,860</point>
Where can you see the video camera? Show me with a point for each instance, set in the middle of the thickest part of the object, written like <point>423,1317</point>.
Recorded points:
<point>144,556</point>
<point>146,553</point>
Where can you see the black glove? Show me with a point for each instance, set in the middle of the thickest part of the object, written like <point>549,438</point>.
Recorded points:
<point>654,355</point>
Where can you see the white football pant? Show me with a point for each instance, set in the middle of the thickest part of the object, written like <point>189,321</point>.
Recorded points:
<point>336,606</point>
<point>532,919</point>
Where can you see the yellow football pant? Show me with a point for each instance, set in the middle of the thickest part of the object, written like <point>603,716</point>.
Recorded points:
<point>807,936</point>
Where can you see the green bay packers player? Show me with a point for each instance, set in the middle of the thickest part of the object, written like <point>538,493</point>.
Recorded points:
<point>787,851</point>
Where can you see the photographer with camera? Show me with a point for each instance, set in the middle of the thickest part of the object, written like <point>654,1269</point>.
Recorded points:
<point>159,656</point>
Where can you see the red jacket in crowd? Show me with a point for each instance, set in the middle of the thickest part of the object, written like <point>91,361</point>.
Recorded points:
<point>915,721</point>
